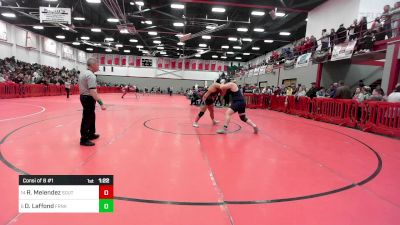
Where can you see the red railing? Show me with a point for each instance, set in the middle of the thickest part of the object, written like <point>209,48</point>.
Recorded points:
<point>36,90</point>
<point>377,117</point>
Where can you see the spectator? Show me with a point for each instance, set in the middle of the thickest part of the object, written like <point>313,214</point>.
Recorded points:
<point>353,30</point>
<point>343,91</point>
<point>312,93</point>
<point>341,34</point>
<point>361,84</point>
<point>289,91</point>
<point>324,40</point>
<point>395,95</point>
<point>395,16</point>
<point>386,18</point>
<point>301,92</point>
<point>377,94</point>
<point>358,95</point>
<point>332,38</point>
<point>321,93</point>
<point>377,30</point>
<point>362,25</point>
<point>332,90</point>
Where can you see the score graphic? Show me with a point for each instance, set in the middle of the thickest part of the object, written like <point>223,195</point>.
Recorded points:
<point>66,193</point>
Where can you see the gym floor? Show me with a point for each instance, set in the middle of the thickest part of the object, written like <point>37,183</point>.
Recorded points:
<point>295,171</point>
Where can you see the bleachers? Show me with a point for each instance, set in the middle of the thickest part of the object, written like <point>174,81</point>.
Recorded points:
<point>377,117</point>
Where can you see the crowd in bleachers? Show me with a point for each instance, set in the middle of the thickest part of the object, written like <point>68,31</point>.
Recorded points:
<point>336,90</point>
<point>383,27</point>
<point>19,72</point>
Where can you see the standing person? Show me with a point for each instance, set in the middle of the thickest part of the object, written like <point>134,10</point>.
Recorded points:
<point>125,90</point>
<point>87,88</point>
<point>343,91</point>
<point>332,38</point>
<point>324,40</point>
<point>238,105</point>
<point>208,100</point>
<point>312,93</point>
<point>395,16</point>
<point>67,85</point>
<point>386,18</point>
<point>395,95</point>
<point>353,30</point>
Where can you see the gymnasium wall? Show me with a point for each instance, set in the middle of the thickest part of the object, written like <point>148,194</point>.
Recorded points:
<point>143,82</point>
<point>304,75</point>
<point>331,14</point>
<point>28,47</point>
<point>350,73</point>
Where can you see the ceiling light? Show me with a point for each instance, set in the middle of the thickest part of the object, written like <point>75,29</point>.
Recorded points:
<point>284,33</point>
<point>79,18</point>
<point>139,46</point>
<point>242,29</point>
<point>197,55</point>
<point>223,57</point>
<point>133,40</point>
<point>219,10</point>
<point>259,29</point>
<point>179,24</point>
<point>85,38</point>
<point>206,37</point>
<point>237,47</point>
<point>145,51</point>
<point>179,35</point>
<point>214,57</point>
<point>163,53</point>
<point>89,49</point>
<point>280,14</point>
<point>108,50</point>
<point>230,53</point>
<point>232,39</point>
<point>200,50</point>
<point>139,3</point>
<point>51,0</point>
<point>97,30</point>
<point>38,27</point>
<point>177,6</point>
<point>10,15</point>
<point>255,48</point>
<point>119,46</point>
<point>65,28</point>
<point>113,20</point>
<point>97,44</point>
<point>258,13</point>
<point>76,43</point>
<point>160,48</point>
<point>211,27</point>
<point>247,39</point>
<point>109,39</point>
<point>127,51</point>
<point>269,41</point>
<point>149,22</point>
<point>124,31</point>
<point>93,1</point>
<point>60,36</point>
<point>157,42</point>
<point>307,19</point>
<point>181,43</point>
<point>152,33</point>
<point>239,58</point>
<point>246,53</point>
<point>225,46</point>
<point>202,45</point>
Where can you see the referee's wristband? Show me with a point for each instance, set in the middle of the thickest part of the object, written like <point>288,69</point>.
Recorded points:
<point>100,102</point>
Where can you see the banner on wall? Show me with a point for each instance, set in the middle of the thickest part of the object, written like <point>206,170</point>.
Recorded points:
<point>109,59</point>
<point>167,63</point>
<point>68,52</point>
<point>55,15</point>
<point>3,31</point>
<point>82,56</point>
<point>116,60</point>
<point>173,64</point>
<point>200,65</point>
<point>123,60</point>
<point>31,40</point>
<point>49,45</point>
<point>303,60</point>
<point>160,63</point>
<point>343,50</point>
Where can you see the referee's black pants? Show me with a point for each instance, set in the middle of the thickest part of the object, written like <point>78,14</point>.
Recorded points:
<point>88,125</point>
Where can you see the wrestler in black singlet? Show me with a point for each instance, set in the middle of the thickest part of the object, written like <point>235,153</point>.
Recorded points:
<point>238,103</point>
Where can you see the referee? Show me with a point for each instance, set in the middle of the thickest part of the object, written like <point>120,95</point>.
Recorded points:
<point>88,91</point>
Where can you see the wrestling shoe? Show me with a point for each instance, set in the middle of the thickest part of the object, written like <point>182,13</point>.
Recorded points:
<point>222,131</point>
